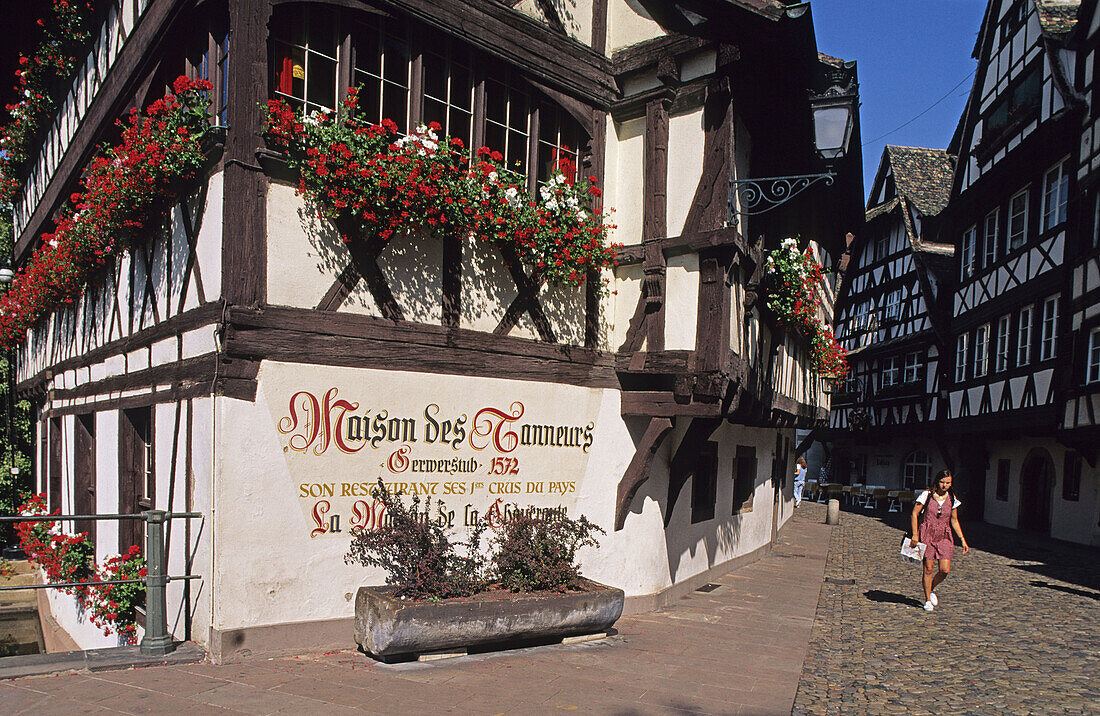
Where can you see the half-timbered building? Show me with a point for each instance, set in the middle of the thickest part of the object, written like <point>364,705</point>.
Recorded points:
<point>883,426</point>
<point>247,364</point>
<point>1016,390</point>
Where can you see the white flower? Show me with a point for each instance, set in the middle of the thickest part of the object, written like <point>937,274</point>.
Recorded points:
<point>552,205</point>
<point>544,193</point>
<point>581,215</point>
<point>493,177</point>
<point>511,194</point>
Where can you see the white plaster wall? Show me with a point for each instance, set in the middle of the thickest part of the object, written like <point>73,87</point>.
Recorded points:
<point>685,165</point>
<point>485,300</point>
<point>1071,521</point>
<point>304,255</point>
<point>627,288</point>
<point>682,302</point>
<point>575,15</point>
<point>208,246</point>
<point>413,266</point>
<point>628,23</point>
<point>258,504</point>
<point>625,179</point>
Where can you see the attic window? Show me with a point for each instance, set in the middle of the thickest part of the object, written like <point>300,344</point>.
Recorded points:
<point>890,190</point>
<point>1015,104</point>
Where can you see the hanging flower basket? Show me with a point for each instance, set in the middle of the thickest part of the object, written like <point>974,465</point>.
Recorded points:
<point>791,293</point>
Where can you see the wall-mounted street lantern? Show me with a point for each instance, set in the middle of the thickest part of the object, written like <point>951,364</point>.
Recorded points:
<point>6,276</point>
<point>834,115</point>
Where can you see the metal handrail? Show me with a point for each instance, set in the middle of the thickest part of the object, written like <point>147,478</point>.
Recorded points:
<point>58,585</point>
<point>157,641</point>
<point>118,516</point>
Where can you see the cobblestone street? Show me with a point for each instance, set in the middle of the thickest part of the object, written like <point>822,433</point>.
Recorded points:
<point>1017,629</point>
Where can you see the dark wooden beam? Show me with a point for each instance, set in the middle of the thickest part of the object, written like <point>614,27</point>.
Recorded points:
<point>643,55</point>
<point>524,42</point>
<point>710,205</point>
<point>637,472</point>
<point>452,281</point>
<point>664,403</point>
<point>599,26</point>
<point>244,249</point>
<point>181,323</point>
<point>202,369</point>
<point>332,338</point>
<point>654,218</point>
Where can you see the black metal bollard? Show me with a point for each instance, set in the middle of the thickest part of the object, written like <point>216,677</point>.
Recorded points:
<point>157,641</point>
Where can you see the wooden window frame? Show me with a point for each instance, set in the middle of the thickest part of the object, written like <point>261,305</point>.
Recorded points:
<point>485,73</point>
<point>1004,325</point>
<point>961,347</point>
<point>1048,342</point>
<point>137,471</point>
<point>1019,213</point>
<point>888,367</point>
<point>84,472</point>
<point>704,483</point>
<point>990,230</point>
<point>968,254</point>
<point>981,350</point>
<point>1023,336</point>
<point>56,447</point>
<point>1055,215</point>
<point>745,470</point>
<point>908,476</point>
<point>1092,359</point>
<point>912,370</point>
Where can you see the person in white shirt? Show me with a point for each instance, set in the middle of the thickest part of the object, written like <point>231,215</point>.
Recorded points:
<point>935,515</point>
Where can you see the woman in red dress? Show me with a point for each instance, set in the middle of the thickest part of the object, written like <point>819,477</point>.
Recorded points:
<point>934,516</point>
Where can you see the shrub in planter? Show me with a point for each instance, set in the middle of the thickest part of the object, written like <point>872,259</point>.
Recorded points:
<point>539,554</point>
<point>418,558</point>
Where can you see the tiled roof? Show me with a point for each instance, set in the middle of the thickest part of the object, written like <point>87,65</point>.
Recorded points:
<point>923,176</point>
<point>1057,17</point>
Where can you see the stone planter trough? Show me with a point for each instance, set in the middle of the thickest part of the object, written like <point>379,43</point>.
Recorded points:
<point>389,628</point>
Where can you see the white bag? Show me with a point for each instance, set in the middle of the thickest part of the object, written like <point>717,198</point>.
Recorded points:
<point>910,553</point>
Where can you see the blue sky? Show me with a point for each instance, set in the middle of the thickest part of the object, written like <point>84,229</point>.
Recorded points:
<point>911,53</point>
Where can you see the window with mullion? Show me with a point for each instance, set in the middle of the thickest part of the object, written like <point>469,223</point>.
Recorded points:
<point>1017,220</point>
<point>381,70</point>
<point>1092,373</point>
<point>912,367</point>
<point>559,144</point>
<point>448,88</point>
<point>889,372</point>
<point>968,256</point>
<point>989,237</point>
<point>508,121</point>
<point>1055,195</point>
<point>1023,337</point>
<point>1050,329</point>
<point>306,59</point>
<point>960,357</point>
<point>1002,344</point>
<point>981,351</point>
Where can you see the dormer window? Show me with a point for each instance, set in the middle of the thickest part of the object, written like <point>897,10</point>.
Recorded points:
<point>1014,104</point>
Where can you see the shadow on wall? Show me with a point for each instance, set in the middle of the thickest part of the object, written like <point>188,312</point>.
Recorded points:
<point>720,535</point>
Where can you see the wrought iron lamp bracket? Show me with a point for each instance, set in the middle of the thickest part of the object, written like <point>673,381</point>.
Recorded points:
<point>757,196</point>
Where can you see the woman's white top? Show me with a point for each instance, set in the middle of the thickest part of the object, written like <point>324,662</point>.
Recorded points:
<point>923,498</point>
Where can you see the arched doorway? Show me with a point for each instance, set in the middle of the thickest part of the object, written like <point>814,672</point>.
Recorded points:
<point>1036,491</point>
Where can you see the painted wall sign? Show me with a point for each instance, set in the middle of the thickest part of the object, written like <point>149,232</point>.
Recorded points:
<point>472,449</point>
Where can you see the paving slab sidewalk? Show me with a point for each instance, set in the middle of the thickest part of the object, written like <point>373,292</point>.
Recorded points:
<point>738,649</point>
